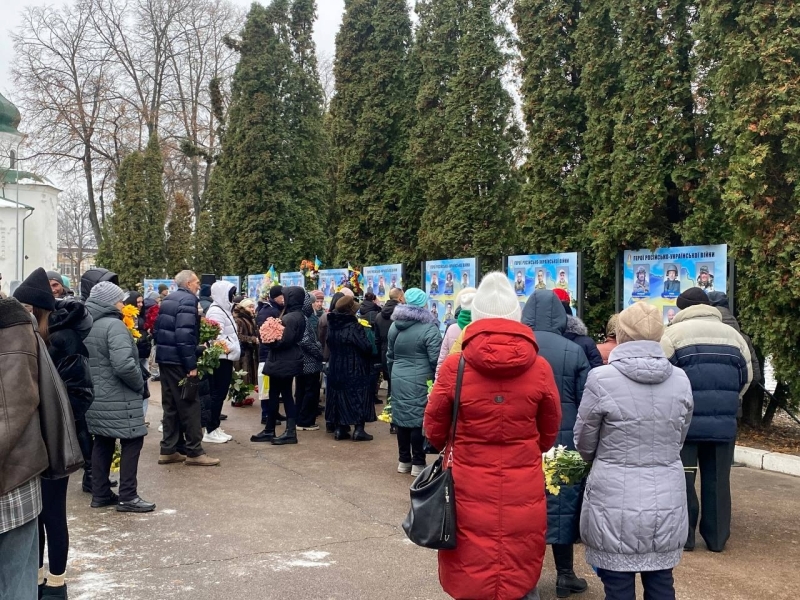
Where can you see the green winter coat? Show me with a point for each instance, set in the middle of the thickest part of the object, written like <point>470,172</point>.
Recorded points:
<point>117,410</point>
<point>411,357</point>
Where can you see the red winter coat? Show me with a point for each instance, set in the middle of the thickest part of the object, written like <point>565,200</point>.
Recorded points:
<point>510,413</point>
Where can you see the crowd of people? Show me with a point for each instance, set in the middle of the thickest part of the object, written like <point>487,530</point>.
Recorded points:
<point>648,408</point>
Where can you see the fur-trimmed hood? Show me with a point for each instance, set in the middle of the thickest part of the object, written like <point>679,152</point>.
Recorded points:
<point>405,316</point>
<point>576,326</point>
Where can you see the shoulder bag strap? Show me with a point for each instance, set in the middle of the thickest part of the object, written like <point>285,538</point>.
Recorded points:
<point>456,403</point>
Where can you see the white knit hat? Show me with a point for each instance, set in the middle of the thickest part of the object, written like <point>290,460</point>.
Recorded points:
<point>466,297</point>
<point>496,299</point>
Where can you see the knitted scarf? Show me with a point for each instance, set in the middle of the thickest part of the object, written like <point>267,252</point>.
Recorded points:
<point>464,318</point>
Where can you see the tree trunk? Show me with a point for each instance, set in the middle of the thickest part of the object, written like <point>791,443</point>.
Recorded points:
<point>87,170</point>
<point>777,400</point>
<point>753,406</point>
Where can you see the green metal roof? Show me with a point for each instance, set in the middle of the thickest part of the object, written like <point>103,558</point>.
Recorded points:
<point>9,116</point>
<point>12,176</point>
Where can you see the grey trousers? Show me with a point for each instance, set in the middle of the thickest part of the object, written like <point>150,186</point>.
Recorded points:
<point>19,562</point>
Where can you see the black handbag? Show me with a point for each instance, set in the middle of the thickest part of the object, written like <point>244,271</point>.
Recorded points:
<point>57,422</point>
<point>431,522</point>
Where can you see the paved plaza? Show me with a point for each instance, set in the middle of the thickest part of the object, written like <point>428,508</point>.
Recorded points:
<point>321,520</point>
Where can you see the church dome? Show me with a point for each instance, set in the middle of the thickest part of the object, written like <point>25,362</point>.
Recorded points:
<point>9,116</point>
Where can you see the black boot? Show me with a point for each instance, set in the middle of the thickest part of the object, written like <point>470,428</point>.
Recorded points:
<point>330,427</point>
<point>53,592</point>
<point>268,434</point>
<point>567,582</point>
<point>359,435</point>
<point>341,433</point>
<point>87,477</point>
<point>289,436</point>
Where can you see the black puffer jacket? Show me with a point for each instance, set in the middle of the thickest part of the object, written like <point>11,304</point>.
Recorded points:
<point>266,310</point>
<point>720,301</point>
<point>577,332</point>
<point>369,311</point>
<point>94,276</point>
<point>177,330</point>
<point>68,326</point>
<point>546,316</point>
<point>286,357</point>
<point>383,322</point>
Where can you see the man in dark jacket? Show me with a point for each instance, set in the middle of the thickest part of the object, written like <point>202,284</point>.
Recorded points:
<point>23,455</point>
<point>369,311</point>
<point>719,366</point>
<point>177,338</point>
<point>546,316</point>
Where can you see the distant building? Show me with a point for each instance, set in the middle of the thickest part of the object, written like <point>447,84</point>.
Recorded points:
<point>68,262</point>
<point>28,208</point>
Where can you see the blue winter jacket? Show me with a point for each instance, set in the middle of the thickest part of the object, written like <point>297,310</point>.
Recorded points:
<point>545,314</point>
<point>717,361</point>
<point>178,330</point>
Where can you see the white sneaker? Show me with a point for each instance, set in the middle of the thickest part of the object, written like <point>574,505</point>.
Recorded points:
<point>416,470</point>
<point>221,435</point>
<point>309,428</point>
<point>211,438</point>
<point>160,429</point>
<point>404,468</point>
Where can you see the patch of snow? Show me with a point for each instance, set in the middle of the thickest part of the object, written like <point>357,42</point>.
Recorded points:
<point>168,511</point>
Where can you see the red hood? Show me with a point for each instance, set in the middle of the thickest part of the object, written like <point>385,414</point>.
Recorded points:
<point>499,348</point>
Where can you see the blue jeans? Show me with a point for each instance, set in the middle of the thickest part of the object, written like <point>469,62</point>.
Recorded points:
<point>19,562</point>
<point>658,585</point>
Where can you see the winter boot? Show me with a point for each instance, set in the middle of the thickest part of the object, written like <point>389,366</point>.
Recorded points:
<point>54,592</point>
<point>567,582</point>
<point>359,435</point>
<point>289,436</point>
<point>268,434</point>
<point>341,433</point>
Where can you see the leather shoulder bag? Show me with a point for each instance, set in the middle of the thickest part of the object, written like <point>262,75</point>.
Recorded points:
<point>431,522</point>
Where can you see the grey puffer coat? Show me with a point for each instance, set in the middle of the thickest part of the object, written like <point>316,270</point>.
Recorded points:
<point>412,353</point>
<point>632,422</point>
<point>117,410</point>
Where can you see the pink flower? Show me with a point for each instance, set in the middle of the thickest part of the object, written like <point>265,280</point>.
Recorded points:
<point>271,331</point>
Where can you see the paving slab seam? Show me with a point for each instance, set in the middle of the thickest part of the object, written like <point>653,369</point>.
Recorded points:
<point>373,518</point>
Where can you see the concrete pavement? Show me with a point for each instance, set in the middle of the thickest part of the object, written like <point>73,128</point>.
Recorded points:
<point>320,520</point>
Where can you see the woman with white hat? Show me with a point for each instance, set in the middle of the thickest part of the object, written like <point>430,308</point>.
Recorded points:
<point>509,414</point>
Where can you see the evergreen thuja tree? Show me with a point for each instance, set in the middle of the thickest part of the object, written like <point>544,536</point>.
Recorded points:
<point>751,54</point>
<point>369,132</point>
<point>135,243</point>
<point>180,248</point>
<point>481,135</point>
<point>253,190</point>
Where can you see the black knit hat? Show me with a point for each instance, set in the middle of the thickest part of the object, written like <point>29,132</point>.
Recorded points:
<point>35,290</point>
<point>275,291</point>
<point>692,297</point>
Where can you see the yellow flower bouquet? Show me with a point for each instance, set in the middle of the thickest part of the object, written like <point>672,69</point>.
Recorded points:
<point>129,314</point>
<point>563,467</point>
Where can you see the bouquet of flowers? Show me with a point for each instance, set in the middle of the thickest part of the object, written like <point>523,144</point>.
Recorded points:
<point>210,358</point>
<point>563,467</point>
<point>271,331</point>
<point>310,270</point>
<point>209,330</point>
<point>129,314</point>
<point>386,414</point>
<point>240,391</point>
<point>115,459</point>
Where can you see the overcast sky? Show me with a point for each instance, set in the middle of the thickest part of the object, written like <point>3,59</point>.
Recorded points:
<point>330,17</point>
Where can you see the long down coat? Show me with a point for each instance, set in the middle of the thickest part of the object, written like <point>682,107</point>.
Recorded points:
<point>412,354</point>
<point>117,410</point>
<point>509,415</point>
<point>349,398</point>
<point>545,314</point>
<point>632,422</point>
